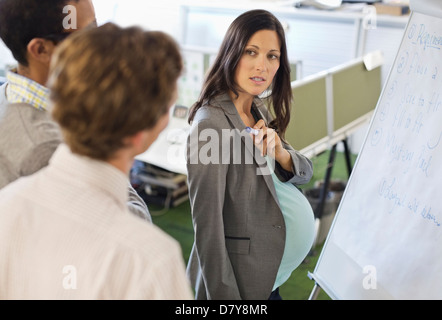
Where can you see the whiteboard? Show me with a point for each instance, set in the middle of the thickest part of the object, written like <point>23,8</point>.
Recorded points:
<point>385,240</point>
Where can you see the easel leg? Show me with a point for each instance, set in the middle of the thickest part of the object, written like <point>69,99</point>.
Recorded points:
<point>347,157</point>
<point>324,189</point>
<point>315,292</point>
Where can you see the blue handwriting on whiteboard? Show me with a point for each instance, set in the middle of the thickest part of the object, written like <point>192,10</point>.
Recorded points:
<point>425,39</point>
<point>434,144</point>
<point>390,191</point>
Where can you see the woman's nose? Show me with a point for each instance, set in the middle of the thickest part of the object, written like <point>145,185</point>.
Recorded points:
<point>261,64</point>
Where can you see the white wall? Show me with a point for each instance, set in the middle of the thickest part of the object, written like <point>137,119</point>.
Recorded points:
<point>153,15</point>
<point>161,15</point>
<point>6,57</point>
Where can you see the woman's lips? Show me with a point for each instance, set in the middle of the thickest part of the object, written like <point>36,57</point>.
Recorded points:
<point>258,80</point>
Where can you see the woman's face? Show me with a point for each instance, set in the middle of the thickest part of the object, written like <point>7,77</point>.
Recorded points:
<point>259,63</point>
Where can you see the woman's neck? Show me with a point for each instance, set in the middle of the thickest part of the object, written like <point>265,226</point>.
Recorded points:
<point>243,104</point>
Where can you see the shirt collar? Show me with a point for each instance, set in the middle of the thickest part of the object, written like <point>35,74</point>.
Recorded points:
<point>98,174</point>
<point>24,90</point>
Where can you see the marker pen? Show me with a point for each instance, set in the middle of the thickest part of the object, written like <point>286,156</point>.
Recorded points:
<point>255,132</point>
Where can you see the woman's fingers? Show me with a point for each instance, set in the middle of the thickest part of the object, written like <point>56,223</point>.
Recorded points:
<point>265,140</point>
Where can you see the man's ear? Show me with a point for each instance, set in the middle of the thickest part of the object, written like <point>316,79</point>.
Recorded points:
<point>40,50</point>
<point>139,142</point>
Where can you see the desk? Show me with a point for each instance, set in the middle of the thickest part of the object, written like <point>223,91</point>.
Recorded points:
<point>169,149</point>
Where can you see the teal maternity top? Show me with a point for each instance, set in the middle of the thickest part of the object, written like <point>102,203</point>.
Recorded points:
<point>300,227</point>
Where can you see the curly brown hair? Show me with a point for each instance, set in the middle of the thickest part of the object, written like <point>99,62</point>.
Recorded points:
<point>110,83</point>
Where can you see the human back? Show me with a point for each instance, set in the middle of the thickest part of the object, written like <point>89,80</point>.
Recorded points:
<point>66,232</point>
<point>32,30</point>
<point>59,242</point>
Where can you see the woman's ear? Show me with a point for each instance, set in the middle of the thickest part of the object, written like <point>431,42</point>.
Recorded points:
<point>40,50</point>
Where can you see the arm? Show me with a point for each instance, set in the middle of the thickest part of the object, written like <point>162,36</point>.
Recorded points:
<point>136,205</point>
<point>207,185</point>
<point>42,134</point>
<point>302,168</point>
<point>291,166</point>
<point>38,157</point>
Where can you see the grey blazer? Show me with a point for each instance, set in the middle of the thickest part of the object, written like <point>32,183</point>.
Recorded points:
<point>239,226</point>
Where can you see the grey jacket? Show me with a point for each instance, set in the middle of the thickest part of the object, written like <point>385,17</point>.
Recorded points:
<point>28,139</point>
<point>239,226</point>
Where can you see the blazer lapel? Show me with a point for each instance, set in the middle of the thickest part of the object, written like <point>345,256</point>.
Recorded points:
<point>236,122</point>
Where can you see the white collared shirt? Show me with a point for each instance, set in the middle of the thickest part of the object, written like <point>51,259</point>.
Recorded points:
<point>66,233</point>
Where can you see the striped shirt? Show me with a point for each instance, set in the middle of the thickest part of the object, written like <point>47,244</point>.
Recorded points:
<point>66,233</point>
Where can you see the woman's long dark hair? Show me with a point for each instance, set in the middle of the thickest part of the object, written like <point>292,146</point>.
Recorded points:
<point>221,78</point>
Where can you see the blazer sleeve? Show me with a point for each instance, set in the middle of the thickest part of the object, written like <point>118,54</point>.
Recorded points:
<point>207,185</point>
<point>302,166</point>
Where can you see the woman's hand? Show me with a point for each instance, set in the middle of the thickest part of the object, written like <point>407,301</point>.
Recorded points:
<point>269,143</point>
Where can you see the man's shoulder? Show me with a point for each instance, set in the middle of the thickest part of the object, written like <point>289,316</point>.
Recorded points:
<point>143,236</point>
<point>13,195</point>
<point>28,137</point>
<point>23,111</point>
<point>38,124</point>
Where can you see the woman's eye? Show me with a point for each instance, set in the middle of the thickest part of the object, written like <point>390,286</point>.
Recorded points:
<point>250,52</point>
<point>273,57</point>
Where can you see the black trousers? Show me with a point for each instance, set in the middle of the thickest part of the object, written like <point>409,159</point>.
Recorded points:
<point>275,295</point>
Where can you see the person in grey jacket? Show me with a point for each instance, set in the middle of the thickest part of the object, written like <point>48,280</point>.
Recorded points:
<point>252,226</point>
<point>28,135</point>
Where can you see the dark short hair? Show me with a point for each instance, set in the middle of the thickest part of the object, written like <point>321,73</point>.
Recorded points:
<point>221,77</point>
<point>23,20</point>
